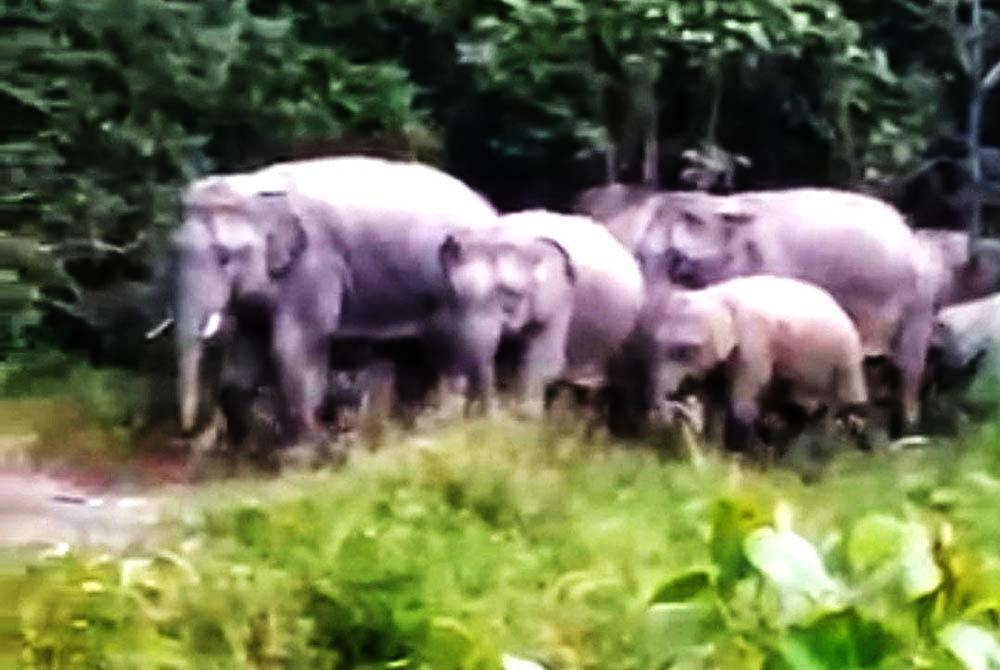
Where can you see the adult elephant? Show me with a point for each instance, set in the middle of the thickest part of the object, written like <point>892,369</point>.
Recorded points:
<point>856,247</point>
<point>626,211</point>
<point>285,260</point>
<point>558,287</point>
<point>956,274</point>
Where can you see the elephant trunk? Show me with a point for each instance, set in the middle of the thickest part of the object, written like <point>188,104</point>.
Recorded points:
<point>188,382</point>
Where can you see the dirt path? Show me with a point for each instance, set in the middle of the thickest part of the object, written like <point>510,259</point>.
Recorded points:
<point>38,509</point>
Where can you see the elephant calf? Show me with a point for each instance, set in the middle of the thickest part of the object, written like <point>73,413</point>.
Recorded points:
<point>559,287</point>
<point>758,333</point>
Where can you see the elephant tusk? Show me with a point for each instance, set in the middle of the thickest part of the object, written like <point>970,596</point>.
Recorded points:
<point>212,325</point>
<point>909,442</point>
<point>160,328</point>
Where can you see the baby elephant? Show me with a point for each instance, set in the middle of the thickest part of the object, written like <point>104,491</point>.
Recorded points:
<point>761,335</point>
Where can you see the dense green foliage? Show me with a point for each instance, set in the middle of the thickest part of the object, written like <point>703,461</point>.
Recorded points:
<point>110,105</point>
<point>452,549</point>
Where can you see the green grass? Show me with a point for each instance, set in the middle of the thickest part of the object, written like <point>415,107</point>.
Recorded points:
<point>449,550</point>
<point>54,407</point>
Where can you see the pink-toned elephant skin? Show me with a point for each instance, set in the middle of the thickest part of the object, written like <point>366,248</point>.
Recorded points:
<point>759,332</point>
<point>856,247</point>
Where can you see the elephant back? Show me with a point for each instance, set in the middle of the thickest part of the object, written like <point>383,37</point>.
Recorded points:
<point>390,218</point>
<point>609,289</point>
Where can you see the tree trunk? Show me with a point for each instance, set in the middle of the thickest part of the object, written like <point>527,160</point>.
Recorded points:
<point>975,121</point>
<point>651,158</point>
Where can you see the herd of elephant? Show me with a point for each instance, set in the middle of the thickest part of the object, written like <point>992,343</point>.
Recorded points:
<point>758,304</point>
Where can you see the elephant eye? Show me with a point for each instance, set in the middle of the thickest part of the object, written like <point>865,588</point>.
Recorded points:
<point>510,293</point>
<point>692,221</point>
<point>222,254</point>
<point>682,353</point>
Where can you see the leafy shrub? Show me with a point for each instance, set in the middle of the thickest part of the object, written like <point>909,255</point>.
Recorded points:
<point>586,558</point>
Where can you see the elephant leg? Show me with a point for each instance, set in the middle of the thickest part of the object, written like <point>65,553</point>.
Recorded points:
<point>478,342</point>
<point>910,356</point>
<point>302,361</point>
<point>851,399</point>
<point>749,379</point>
<point>480,392</point>
<point>741,421</point>
<point>544,360</point>
<point>242,372</point>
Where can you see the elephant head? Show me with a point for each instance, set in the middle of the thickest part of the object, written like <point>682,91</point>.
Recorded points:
<point>690,332</point>
<point>235,242</point>
<point>695,238</point>
<point>517,280</point>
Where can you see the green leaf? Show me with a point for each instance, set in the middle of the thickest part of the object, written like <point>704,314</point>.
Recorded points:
<point>793,566</point>
<point>975,647</point>
<point>875,540</point>
<point>449,645</point>
<point>920,572</point>
<point>673,628</point>
<point>732,519</point>
<point>836,641</point>
<point>686,586</point>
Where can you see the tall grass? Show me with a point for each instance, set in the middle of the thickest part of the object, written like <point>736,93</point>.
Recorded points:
<point>450,549</point>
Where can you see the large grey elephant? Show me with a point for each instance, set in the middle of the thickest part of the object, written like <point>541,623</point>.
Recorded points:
<point>626,211</point>
<point>560,285</point>
<point>282,262</point>
<point>856,247</point>
<point>957,275</point>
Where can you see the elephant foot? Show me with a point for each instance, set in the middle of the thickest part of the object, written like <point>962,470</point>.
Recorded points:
<point>532,410</point>
<point>312,452</point>
<point>208,442</point>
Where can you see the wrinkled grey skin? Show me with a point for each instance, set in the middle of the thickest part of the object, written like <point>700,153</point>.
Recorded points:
<point>511,288</point>
<point>247,271</point>
<point>856,247</point>
<point>957,276</point>
<point>344,248</point>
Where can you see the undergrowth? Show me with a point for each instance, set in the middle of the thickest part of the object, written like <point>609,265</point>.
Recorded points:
<point>453,549</point>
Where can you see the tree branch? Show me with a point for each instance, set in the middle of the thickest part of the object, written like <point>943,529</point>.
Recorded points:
<point>93,245</point>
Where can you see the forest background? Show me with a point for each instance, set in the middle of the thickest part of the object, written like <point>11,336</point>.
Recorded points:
<point>110,106</point>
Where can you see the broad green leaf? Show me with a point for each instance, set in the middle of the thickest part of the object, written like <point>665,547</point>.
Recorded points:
<point>793,566</point>
<point>672,628</point>
<point>688,585</point>
<point>920,572</point>
<point>875,540</point>
<point>975,647</point>
<point>840,640</point>
<point>732,519</point>
<point>449,645</point>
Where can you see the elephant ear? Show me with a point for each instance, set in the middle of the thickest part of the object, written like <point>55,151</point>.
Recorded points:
<point>568,268</point>
<point>285,238</point>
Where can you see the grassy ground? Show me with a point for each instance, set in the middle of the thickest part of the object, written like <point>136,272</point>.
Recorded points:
<point>448,550</point>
